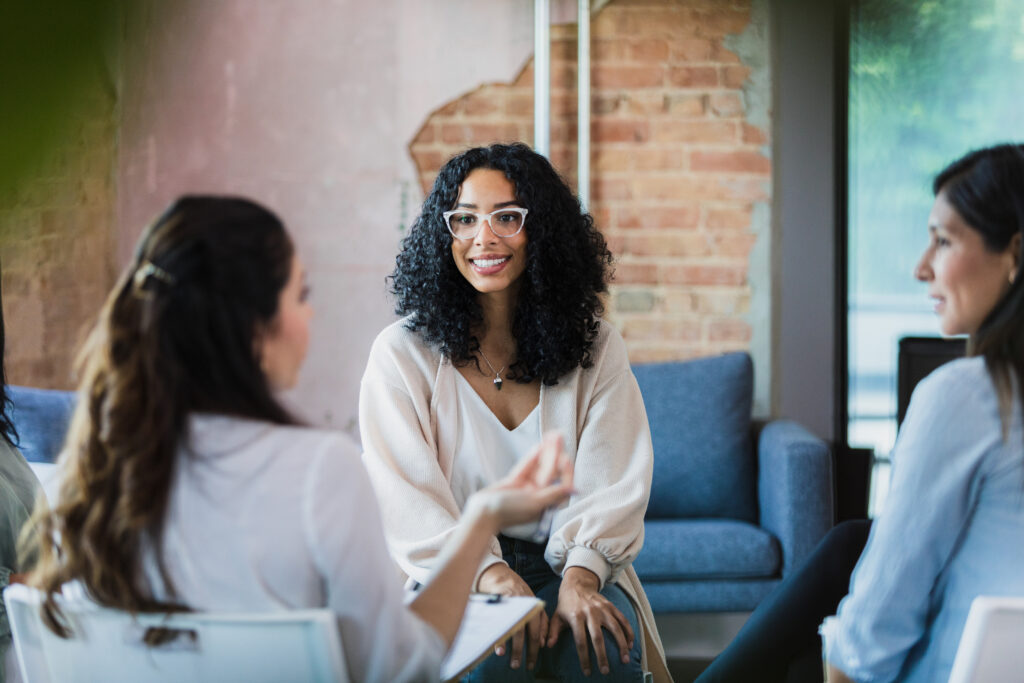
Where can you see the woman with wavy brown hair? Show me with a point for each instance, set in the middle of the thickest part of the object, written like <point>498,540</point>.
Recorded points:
<point>187,485</point>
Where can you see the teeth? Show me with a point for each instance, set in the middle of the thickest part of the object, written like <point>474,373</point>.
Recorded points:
<point>489,262</point>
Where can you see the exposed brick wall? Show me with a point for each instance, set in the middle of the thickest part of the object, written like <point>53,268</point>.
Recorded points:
<point>677,166</point>
<point>56,248</point>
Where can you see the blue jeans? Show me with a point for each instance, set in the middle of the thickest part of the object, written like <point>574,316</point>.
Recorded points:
<point>561,661</point>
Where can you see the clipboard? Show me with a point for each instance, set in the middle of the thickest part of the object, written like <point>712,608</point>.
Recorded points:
<point>486,623</point>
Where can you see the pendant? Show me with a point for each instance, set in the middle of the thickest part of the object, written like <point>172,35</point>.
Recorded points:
<point>497,383</point>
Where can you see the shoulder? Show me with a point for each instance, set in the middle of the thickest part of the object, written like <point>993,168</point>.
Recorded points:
<point>609,350</point>
<point>961,388</point>
<point>399,353</point>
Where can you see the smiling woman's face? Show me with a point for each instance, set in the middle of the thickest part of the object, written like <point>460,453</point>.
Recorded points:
<point>490,263</point>
<point>965,277</point>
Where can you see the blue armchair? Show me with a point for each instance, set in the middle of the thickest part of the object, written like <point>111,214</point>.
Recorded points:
<point>726,521</point>
<point>41,417</point>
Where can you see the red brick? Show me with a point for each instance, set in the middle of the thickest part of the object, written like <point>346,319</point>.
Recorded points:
<point>754,135</point>
<point>608,50</point>
<point>645,103</point>
<point>705,274</point>
<point>734,161</point>
<point>744,189</point>
<point>484,101</point>
<point>429,159</point>
<point>658,159</point>
<point>635,274</point>
<point>729,330</point>
<point>734,243</point>
<point>564,77</point>
<point>628,76</point>
<point>611,160</point>
<point>427,134</point>
<point>668,243</point>
<point>735,76</point>
<point>722,55</point>
<point>668,23</point>
<point>709,132</point>
<point>609,189</point>
<point>652,50</point>
<point>724,20</point>
<point>450,109</point>
<point>693,76</point>
<point>726,104</point>
<point>661,353</point>
<point>601,103</point>
<point>686,105</point>
<point>674,330</point>
<point>691,50</point>
<point>619,130</point>
<point>525,77</point>
<point>454,133</point>
<point>728,219</point>
<point>519,102</point>
<point>679,217</point>
<point>563,50</point>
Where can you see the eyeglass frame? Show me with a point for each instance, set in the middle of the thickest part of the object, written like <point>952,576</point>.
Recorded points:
<point>522,211</point>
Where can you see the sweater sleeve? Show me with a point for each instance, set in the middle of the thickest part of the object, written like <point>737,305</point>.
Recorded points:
<point>938,463</point>
<point>401,455</point>
<point>602,527</point>
<point>382,640</point>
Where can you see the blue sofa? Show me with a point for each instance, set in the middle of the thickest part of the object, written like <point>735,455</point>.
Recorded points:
<point>727,519</point>
<point>41,417</point>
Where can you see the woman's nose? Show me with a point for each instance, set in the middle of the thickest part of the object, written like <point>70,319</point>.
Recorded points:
<point>923,269</point>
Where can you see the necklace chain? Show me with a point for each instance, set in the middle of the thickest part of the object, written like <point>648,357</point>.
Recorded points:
<point>497,373</point>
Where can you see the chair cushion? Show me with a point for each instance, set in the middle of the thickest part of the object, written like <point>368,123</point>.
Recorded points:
<point>699,412</point>
<point>41,417</point>
<point>694,549</point>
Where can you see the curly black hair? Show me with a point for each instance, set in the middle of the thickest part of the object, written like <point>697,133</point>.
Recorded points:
<point>567,267</point>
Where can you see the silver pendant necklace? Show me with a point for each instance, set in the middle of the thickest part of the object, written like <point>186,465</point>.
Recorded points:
<point>497,374</point>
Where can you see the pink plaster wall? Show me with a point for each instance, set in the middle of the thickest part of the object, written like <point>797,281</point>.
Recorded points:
<point>309,107</point>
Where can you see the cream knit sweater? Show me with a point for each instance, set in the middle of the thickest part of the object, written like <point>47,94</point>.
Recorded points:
<point>409,424</point>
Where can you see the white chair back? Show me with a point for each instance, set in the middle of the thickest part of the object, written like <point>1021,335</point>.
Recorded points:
<point>107,645</point>
<point>992,644</point>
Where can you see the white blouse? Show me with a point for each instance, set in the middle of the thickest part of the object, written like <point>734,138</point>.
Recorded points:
<point>262,517</point>
<point>486,450</point>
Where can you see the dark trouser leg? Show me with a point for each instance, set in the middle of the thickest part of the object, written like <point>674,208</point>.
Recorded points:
<point>783,630</point>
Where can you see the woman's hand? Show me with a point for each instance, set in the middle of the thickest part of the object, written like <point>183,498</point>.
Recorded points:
<point>500,579</point>
<point>541,480</point>
<point>582,607</point>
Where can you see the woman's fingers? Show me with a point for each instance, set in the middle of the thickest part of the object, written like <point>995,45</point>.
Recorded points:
<point>579,635</point>
<point>555,627</point>
<point>516,654</point>
<point>551,447</point>
<point>536,632</point>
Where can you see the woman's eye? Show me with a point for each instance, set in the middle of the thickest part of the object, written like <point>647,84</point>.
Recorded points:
<point>465,219</point>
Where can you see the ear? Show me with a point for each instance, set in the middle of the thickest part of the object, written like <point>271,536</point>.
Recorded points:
<point>1013,251</point>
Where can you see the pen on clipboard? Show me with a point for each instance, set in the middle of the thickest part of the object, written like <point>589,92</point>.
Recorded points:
<point>489,598</point>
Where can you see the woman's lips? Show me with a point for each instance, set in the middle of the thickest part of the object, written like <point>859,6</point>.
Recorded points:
<point>490,265</point>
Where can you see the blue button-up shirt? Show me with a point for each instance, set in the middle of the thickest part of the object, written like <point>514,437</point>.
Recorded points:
<point>952,529</point>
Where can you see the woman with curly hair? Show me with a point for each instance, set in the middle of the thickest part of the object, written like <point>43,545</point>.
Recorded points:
<point>499,283</point>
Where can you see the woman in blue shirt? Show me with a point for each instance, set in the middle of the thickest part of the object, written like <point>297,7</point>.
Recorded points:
<point>953,525</point>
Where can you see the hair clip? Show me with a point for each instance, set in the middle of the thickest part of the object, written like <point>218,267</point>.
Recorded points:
<point>147,269</point>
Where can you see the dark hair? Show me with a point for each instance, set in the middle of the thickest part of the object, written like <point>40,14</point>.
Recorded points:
<point>567,267</point>
<point>175,336</point>
<point>986,187</point>
<point>7,430</point>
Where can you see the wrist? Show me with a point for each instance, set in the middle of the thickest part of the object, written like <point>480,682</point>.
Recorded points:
<point>582,577</point>
<point>481,516</point>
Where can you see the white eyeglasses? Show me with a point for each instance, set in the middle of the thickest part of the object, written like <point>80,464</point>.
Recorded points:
<point>466,225</point>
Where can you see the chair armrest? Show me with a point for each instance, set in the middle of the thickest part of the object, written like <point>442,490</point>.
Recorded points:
<point>794,488</point>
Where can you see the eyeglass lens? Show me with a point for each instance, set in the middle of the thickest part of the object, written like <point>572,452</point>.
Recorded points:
<point>503,223</point>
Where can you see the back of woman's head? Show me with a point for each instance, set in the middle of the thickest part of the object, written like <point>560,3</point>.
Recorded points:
<point>177,335</point>
<point>986,187</point>
<point>568,265</point>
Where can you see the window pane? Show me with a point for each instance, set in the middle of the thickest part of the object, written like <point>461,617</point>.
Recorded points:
<point>928,81</point>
